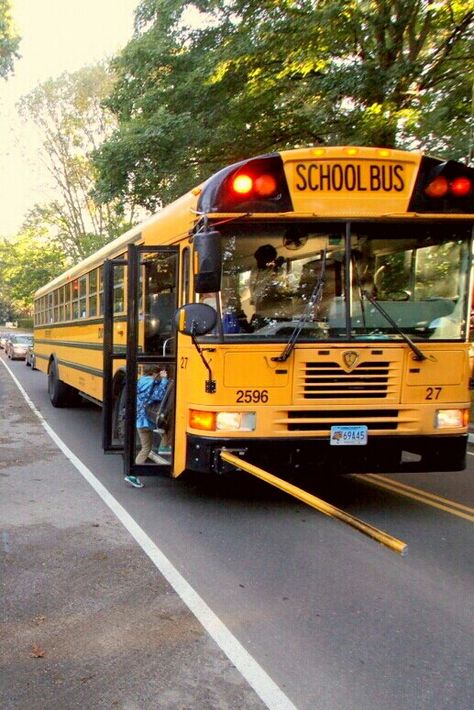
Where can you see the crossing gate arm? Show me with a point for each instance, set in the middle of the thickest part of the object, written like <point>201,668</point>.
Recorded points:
<point>384,538</point>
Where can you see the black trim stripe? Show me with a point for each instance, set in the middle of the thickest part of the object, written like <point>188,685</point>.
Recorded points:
<point>79,323</point>
<point>74,366</point>
<point>82,368</point>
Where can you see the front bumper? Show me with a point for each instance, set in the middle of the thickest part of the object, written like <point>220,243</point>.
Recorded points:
<point>382,454</point>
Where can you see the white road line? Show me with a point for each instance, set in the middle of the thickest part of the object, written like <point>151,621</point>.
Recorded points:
<point>256,677</point>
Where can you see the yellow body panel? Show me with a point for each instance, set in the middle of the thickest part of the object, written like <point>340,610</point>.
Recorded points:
<point>252,368</point>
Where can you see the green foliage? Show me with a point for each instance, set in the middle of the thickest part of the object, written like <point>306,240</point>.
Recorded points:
<point>254,77</point>
<point>7,312</point>
<point>9,40</point>
<point>27,264</point>
<point>25,323</point>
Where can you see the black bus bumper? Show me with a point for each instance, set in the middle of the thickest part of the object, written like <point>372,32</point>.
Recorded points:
<point>381,454</point>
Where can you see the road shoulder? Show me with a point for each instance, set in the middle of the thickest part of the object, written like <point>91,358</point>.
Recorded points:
<point>88,620</point>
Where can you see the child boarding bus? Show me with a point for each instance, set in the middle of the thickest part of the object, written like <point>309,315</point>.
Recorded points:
<point>310,308</point>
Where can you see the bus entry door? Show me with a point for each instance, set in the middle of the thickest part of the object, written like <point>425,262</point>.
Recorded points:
<point>152,288</point>
<point>114,340</point>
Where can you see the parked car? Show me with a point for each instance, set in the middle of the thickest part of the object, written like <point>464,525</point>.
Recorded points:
<point>17,345</point>
<point>30,360</point>
<point>3,340</point>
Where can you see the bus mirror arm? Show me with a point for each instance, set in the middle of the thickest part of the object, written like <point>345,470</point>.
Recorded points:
<point>195,319</point>
<point>416,350</point>
<point>210,384</point>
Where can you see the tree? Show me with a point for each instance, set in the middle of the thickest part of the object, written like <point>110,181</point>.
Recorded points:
<point>260,75</point>
<point>9,40</point>
<point>72,123</point>
<point>27,264</point>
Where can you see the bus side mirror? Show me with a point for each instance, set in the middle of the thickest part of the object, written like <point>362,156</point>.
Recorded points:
<point>196,319</point>
<point>208,262</point>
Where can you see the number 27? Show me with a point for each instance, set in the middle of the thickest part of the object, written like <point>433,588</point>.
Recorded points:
<point>433,392</point>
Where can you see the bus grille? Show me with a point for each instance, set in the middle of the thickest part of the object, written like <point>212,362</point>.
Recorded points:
<point>375,419</point>
<point>328,380</point>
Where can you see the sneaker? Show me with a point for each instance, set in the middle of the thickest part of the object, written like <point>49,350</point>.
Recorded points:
<point>134,481</point>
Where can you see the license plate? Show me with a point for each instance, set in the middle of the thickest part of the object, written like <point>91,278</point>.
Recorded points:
<point>351,435</point>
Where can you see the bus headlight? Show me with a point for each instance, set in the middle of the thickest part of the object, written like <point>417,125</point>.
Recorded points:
<point>235,421</point>
<point>451,418</point>
<point>222,421</point>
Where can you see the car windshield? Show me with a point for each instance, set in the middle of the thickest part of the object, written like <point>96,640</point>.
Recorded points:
<point>322,279</point>
<point>23,339</point>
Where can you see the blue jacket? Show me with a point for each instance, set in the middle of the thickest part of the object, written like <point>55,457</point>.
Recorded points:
<point>149,390</point>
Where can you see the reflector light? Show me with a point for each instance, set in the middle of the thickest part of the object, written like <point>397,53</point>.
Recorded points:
<point>437,187</point>
<point>466,417</point>
<point>461,186</point>
<point>242,184</point>
<point>265,185</point>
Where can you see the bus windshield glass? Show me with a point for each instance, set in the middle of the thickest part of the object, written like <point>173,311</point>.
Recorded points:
<point>322,279</point>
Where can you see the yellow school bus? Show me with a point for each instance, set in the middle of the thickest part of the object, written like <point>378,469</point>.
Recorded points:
<point>311,309</point>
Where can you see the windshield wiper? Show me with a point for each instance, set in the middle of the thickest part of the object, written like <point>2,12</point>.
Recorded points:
<point>416,350</point>
<point>315,297</point>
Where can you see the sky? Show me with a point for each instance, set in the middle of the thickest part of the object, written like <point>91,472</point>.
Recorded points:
<point>56,36</point>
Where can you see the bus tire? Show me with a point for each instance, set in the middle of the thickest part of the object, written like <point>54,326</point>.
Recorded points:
<point>59,392</point>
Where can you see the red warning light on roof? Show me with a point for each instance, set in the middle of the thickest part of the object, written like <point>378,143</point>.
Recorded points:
<point>460,186</point>
<point>262,186</point>
<point>242,184</point>
<point>438,187</point>
<point>265,185</point>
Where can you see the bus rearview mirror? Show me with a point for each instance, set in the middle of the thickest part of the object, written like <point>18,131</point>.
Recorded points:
<point>208,262</point>
<point>196,319</point>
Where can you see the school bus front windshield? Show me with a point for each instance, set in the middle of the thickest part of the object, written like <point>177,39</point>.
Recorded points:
<point>323,279</point>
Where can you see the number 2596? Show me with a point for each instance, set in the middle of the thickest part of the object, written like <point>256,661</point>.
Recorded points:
<point>252,396</point>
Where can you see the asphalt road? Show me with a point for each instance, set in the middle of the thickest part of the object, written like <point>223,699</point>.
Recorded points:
<point>337,621</point>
